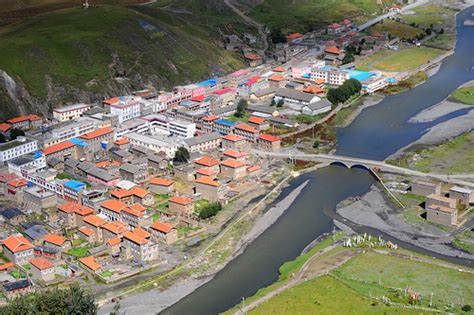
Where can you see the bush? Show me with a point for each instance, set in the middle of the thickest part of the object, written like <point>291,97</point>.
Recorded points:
<point>210,210</point>
<point>466,308</point>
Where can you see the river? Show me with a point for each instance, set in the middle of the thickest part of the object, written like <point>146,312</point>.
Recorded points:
<point>376,133</point>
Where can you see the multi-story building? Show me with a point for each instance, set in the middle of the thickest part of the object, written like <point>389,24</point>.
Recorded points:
<point>125,107</point>
<point>42,269</point>
<point>133,125</point>
<point>268,142</point>
<point>70,112</point>
<point>209,188</point>
<point>181,205</point>
<point>20,146</point>
<point>233,169</point>
<point>247,132</point>
<point>18,249</point>
<point>72,129</point>
<point>154,143</point>
<point>30,163</point>
<point>164,232</point>
<point>98,141</point>
<point>61,150</point>
<point>224,127</point>
<point>95,223</point>
<point>235,142</point>
<point>139,248</point>
<point>331,76</point>
<point>374,84</point>
<point>203,143</point>
<point>26,122</point>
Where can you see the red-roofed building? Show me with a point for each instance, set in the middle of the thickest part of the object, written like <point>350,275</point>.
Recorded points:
<point>72,213</point>
<point>164,232</point>
<point>91,264</point>
<point>122,143</point>
<point>98,141</point>
<point>42,269</point>
<point>138,248</point>
<point>95,223</point>
<point>181,205</point>
<point>295,37</point>
<point>209,162</point>
<point>233,168</point>
<point>205,171</point>
<point>114,230</point>
<point>332,50</point>
<point>112,209</point>
<point>18,249</point>
<point>246,131</point>
<point>61,150</point>
<point>254,60</point>
<point>395,9</point>
<point>26,122</point>
<point>57,241</point>
<point>268,142</point>
<point>259,123</point>
<point>161,185</point>
<point>233,154</point>
<point>235,142</point>
<point>334,28</point>
<point>209,188</point>
<point>4,128</point>
<point>279,69</point>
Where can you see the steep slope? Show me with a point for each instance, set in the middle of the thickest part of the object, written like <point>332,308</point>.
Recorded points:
<point>82,55</point>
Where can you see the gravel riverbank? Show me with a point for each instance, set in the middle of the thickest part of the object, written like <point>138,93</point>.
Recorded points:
<point>374,211</point>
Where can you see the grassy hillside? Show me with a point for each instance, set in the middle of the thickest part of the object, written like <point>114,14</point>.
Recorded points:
<point>292,16</point>
<point>86,50</point>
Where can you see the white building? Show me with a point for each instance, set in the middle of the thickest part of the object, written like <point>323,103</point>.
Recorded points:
<point>154,143</point>
<point>73,129</point>
<point>134,125</point>
<point>294,98</point>
<point>70,112</point>
<point>170,126</point>
<point>125,107</point>
<point>330,76</point>
<point>374,84</point>
<point>16,148</point>
<point>29,163</point>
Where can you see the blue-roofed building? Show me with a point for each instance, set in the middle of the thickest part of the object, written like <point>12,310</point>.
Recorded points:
<point>212,82</point>
<point>73,190</point>
<point>224,127</point>
<point>78,142</point>
<point>359,75</point>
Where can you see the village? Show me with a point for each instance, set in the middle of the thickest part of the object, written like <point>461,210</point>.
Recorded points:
<point>108,191</point>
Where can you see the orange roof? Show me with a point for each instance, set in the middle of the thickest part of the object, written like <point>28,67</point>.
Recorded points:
<point>180,200</point>
<point>207,161</point>
<point>253,168</point>
<point>111,101</point>
<point>41,263</point>
<point>276,77</point>
<point>18,182</point>
<point>252,57</point>
<point>137,207</point>
<point>234,154</point>
<point>246,128</point>
<point>233,137</point>
<point>113,205</point>
<point>333,50</point>
<point>139,191</point>
<point>116,227</point>
<point>23,118</point>
<point>58,147</point>
<point>105,164</point>
<point>232,163</point>
<point>210,118</point>
<point>267,137</point>
<point>135,238</point>
<point>313,90</point>
<point>256,120</point>
<point>90,262</point>
<point>162,181</point>
<point>120,193</point>
<point>17,243</point>
<point>134,212</point>
<point>279,69</point>
<point>206,171</point>
<point>122,141</point>
<point>97,133</point>
<point>94,220</point>
<point>6,266</point>
<point>141,232</point>
<point>294,36</point>
<point>5,127</point>
<point>319,81</point>
<point>86,231</point>
<point>162,226</point>
<point>206,180</point>
<point>114,241</point>
<point>55,239</point>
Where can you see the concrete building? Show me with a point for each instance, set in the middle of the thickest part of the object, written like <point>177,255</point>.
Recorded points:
<point>294,98</point>
<point>18,249</point>
<point>161,185</point>
<point>138,248</point>
<point>316,108</point>
<point>248,132</point>
<point>95,223</point>
<point>233,168</point>
<point>268,142</point>
<point>18,147</point>
<point>30,163</point>
<point>235,142</point>
<point>98,141</point>
<point>154,143</point>
<point>42,269</point>
<point>331,76</point>
<point>423,188</point>
<point>203,143</point>
<point>40,197</point>
<point>439,200</point>
<point>164,232</point>
<point>70,112</point>
<point>181,205</point>
<point>463,196</point>
<point>26,122</point>
<point>125,107</point>
<point>208,188</point>
<point>442,215</point>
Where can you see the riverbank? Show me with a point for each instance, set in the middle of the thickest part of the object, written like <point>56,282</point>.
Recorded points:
<point>375,211</point>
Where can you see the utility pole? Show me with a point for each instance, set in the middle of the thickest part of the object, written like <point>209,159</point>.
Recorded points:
<point>243,306</point>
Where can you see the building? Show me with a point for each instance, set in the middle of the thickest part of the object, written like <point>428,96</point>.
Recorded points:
<point>233,168</point>
<point>442,215</point>
<point>203,143</point>
<point>98,141</point>
<point>139,248</point>
<point>316,108</point>
<point>136,216</point>
<point>259,123</point>
<point>268,142</point>
<point>235,142</point>
<point>42,269</point>
<point>294,98</point>
<point>114,229</point>
<point>72,213</point>
<point>26,122</point>
<point>28,163</point>
<point>14,216</point>
<point>153,143</point>
<point>239,156</point>
<point>223,126</point>
<point>329,75</point>
<point>133,173</point>
<point>161,185</point>
<point>73,190</point>
<point>62,150</point>
<point>181,205</point>
<point>209,162</point>
<point>334,29</point>
<point>91,264</point>
<point>253,60</point>
<point>125,107</point>
<point>56,241</point>
<point>70,112</point>
<point>12,290</point>
<point>247,132</point>
<point>423,188</point>
<point>15,148</point>
<point>95,223</point>
<point>164,232</point>
<point>208,188</point>
<point>294,37</point>
<point>373,84</point>
<point>434,200</point>
<point>463,196</point>
<point>40,197</point>
<point>18,249</point>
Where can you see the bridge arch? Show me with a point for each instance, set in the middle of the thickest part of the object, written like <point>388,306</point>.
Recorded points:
<point>361,166</point>
<point>339,163</point>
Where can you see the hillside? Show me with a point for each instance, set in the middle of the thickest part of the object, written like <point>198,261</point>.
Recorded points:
<point>76,54</point>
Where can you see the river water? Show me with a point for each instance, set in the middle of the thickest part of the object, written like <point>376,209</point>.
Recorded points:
<point>375,134</point>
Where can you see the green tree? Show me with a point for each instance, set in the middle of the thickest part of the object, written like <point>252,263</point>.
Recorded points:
<point>210,210</point>
<point>348,58</point>
<point>277,36</point>
<point>273,103</point>
<point>316,144</point>
<point>14,133</point>
<point>241,107</point>
<point>280,103</point>
<point>181,155</point>
<point>332,96</point>
<point>2,138</point>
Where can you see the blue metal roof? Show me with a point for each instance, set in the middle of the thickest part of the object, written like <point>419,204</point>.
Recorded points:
<point>75,184</point>
<point>37,154</point>
<point>212,82</point>
<point>225,122</point>
<point>78,142</point>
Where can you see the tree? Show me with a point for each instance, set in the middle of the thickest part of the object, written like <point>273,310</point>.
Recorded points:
<point>210,210</point>
<point>332,96</point>
<point>466,308</point>
<point>2,138</point>
<point>280,103</point>
<point>241,107</point>
<point>69,301</point>
<point>316,144</point>
<point>348,58</point>
<point>273,103</point>
<point>428,31</point>
<point>14,133</point>
<point>181,155</point>
<point>277,36</point>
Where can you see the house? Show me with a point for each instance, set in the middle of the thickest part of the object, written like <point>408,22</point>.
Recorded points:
<point>122,143</point>
<point>161,185</point>
<point>87,234</point>
<point>233,168</point>
<point>142,196</point>
<point>208,161</point>
<point>207,123</point>
<point>42,269</point>
<point>463,196</point>
<point>98,141</point>
<point>12,290</point>
<point>36,234</point>
<point>268,142</point>
<point>205,171</point>
<point>135,215</point>
<point>295,37</point>
<point>439,200</point>
<point>265,93</point>
<point>133,173</point>
<point>70,112</point>
<point>209,188</point>
<point>14,216</point>
<point>239,156</point>
<point>112,209</point>
<point>253,60</point>
<point>18,147</point>
<point>295,99</point>
<point>57,241</point>
<point>181,205</point>
<point>73,214</point>
<point>276,80</point>
<point>138,248</point>
<point>423,188</point>
<point>113,245</point>
<point>15,189</point>
<point>39,197</point>
<point>5,128</point>
<point>164,232</point>
<point>235,142</point>
<point>18,249</point>
<point>26,122</point>
<point>334,29</point>
<point>91,264</point>
<point>114,229</point>
<point>247,132</point>
<point>259,123</point>
<point>185,172</point>
<point>254,170</point>
<point>158,162</point>
<point>442,215</point>
<point>395,9</point>
<point>95,223</point>
<point>203,143</point>
<point>316,108</point>
<point>224,127</point>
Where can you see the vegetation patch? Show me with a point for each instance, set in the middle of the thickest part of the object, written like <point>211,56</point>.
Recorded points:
<point>407,84</point>
<point>79,252</point>
<point>407,59</point>
<point>463,95</point>
<point>397,29</point>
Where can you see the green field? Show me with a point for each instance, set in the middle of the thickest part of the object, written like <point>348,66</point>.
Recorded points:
<point>79,251</point>
<point>397,29</point>
<point>403,60</point>
<point>463,95</point>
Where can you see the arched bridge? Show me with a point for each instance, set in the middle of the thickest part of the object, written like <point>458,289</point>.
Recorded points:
<point>352,162</point>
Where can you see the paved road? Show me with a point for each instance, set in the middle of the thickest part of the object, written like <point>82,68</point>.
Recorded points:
<point>391,14</point>
<point>459,179</point>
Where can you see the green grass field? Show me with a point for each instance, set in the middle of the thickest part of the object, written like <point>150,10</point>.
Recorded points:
<point>463,95</point>
<point>407,59</point>
<point>324,295</point>
<point>79,251</point>
<point>397,29</point>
